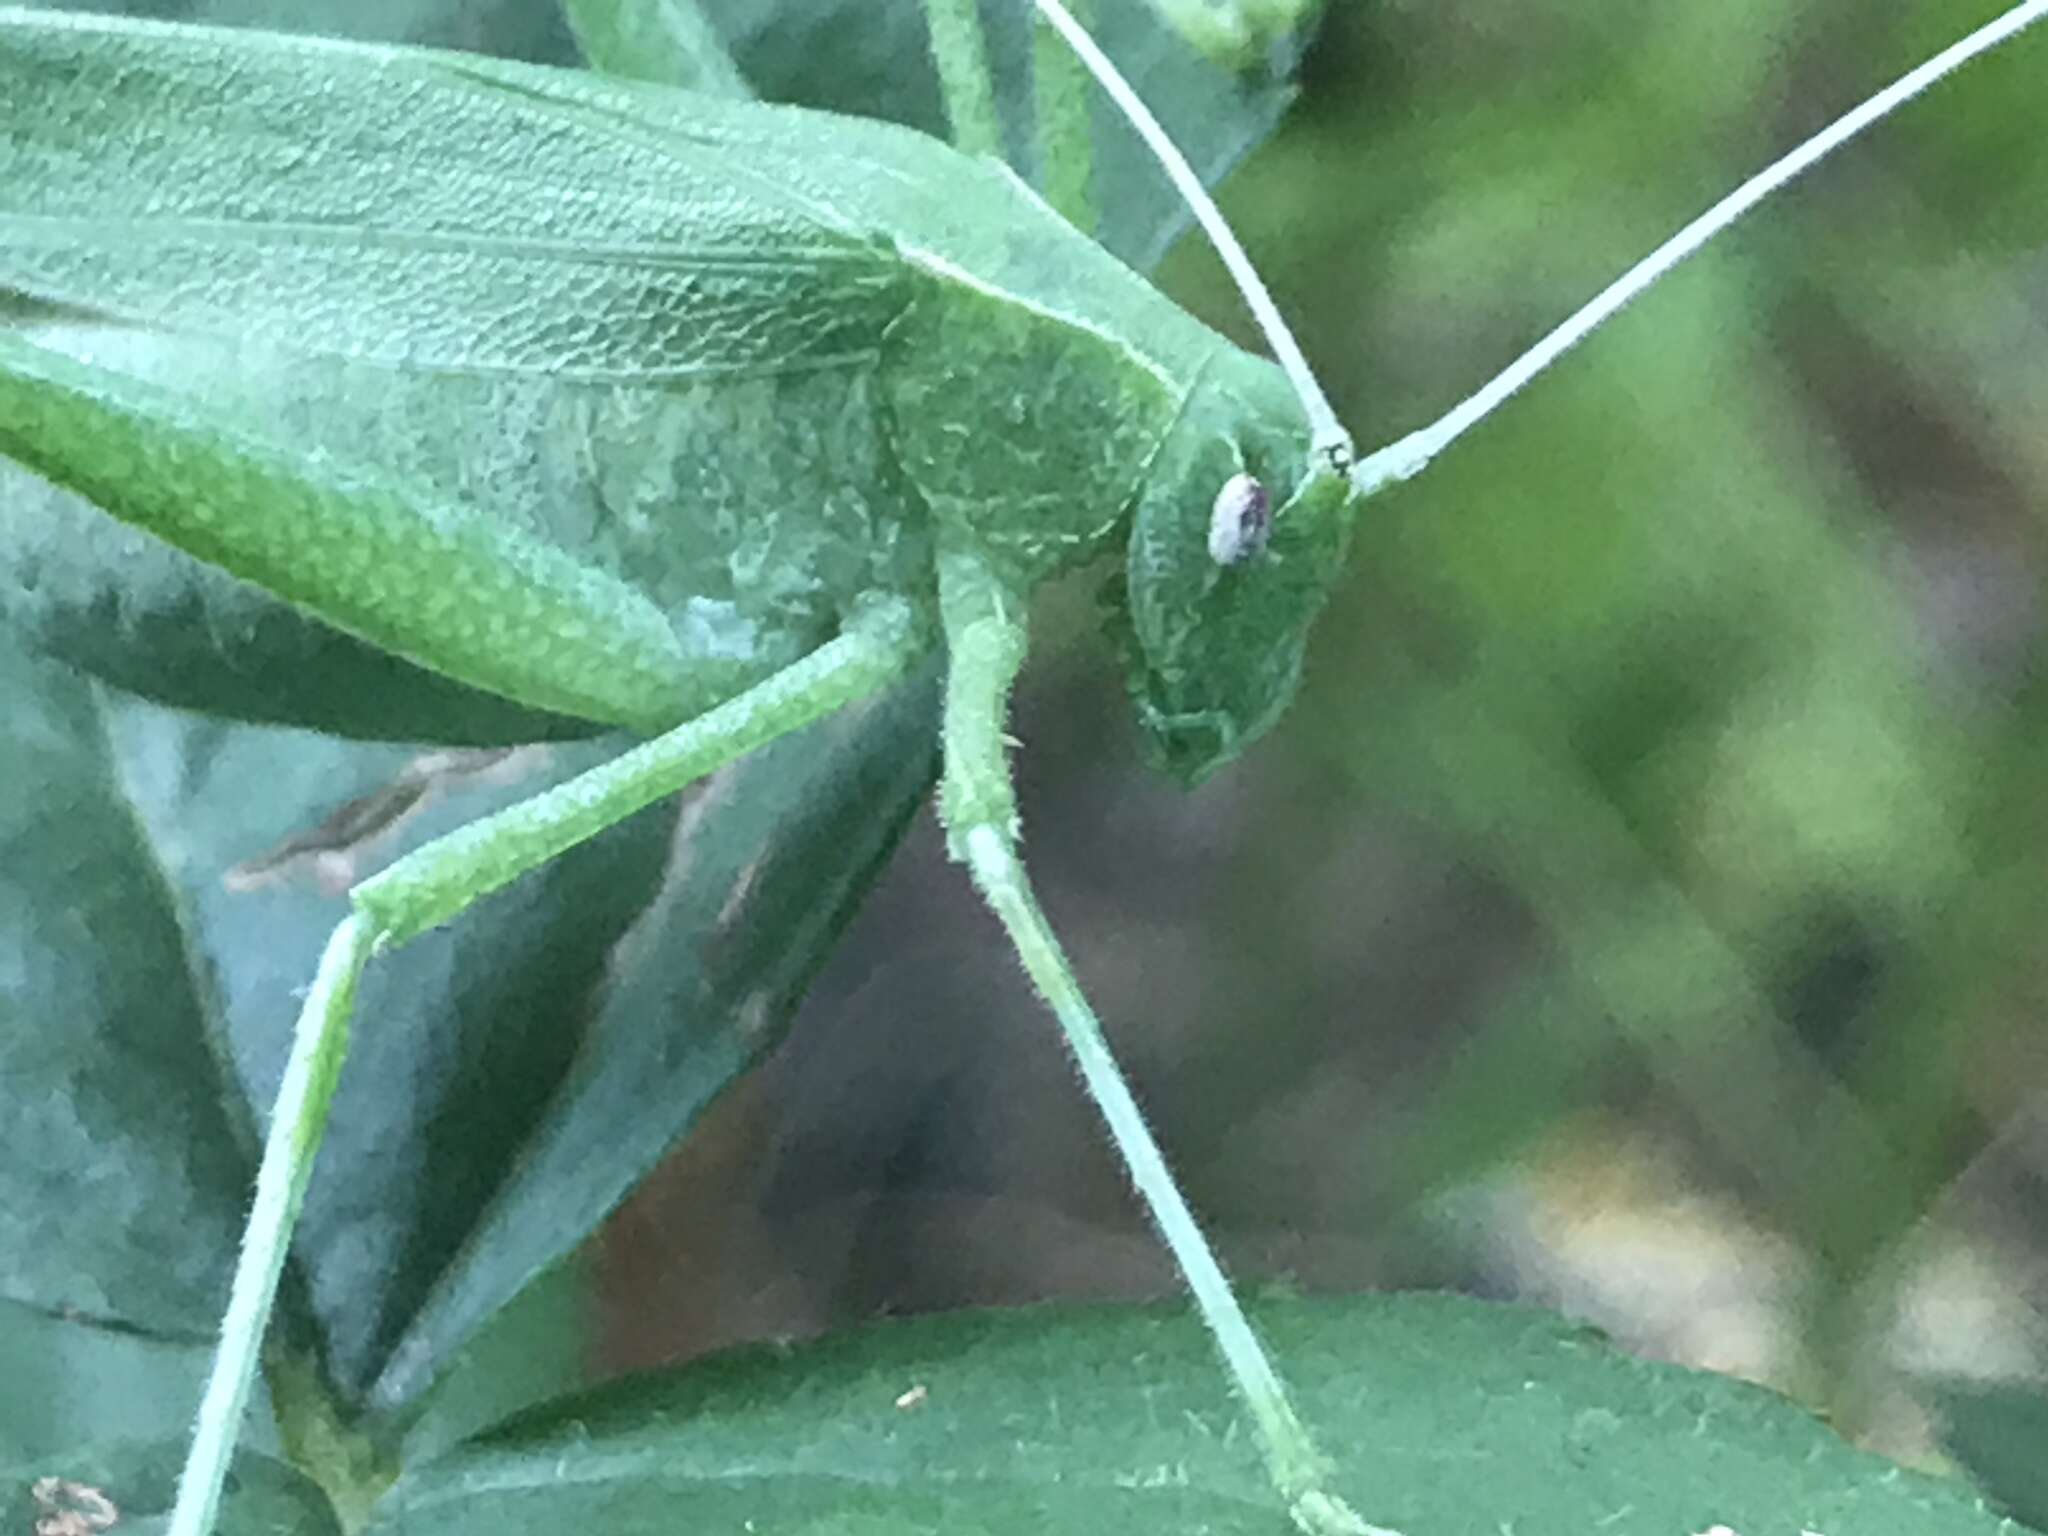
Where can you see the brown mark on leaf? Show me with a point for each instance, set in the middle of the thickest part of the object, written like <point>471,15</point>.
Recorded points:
<point>67,1508</point>
<point>736,899</point>
<point>698,800</point>
<point>333,855</point>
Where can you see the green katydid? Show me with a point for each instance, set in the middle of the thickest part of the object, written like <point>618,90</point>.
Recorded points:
<point>821,286</point>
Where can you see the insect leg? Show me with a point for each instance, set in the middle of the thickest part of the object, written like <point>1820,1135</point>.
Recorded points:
<point>470,597</point>
<point>298,1121</point>
<point>985,641</point>
<point>434,884</point>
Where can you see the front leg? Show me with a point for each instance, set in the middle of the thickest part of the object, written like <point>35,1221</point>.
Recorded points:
<point>985,642</point>
<point>431,886</point>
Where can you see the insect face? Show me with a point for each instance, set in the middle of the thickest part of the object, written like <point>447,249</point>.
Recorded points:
<point>1221,588</point>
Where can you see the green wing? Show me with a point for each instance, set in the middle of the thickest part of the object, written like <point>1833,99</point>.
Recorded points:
<point>443,211</point>
<point>404,207</point>
<point>642,325</point>
<point>496,285</point>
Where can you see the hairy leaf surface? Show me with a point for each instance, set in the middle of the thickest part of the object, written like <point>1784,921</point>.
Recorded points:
<point>1443,1415</point>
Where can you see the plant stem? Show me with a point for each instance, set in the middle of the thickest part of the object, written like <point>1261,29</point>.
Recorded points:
<point>1066,137</point>
<point>960,51</point>
<point>1407,457</point>
<point>349,1466</point>
<point>1326,432</point>
<point>319,1043</point>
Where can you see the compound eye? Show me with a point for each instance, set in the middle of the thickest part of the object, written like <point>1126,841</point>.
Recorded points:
<point>1240,521</point>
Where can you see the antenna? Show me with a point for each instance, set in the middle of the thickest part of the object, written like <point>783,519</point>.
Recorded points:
<point>1327,434</point>
<point>1408,456</point>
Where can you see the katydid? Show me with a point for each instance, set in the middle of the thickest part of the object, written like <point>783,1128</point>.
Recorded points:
<point>885,357</point>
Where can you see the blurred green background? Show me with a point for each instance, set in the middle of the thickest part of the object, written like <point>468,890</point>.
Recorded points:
<point>1639,911</point>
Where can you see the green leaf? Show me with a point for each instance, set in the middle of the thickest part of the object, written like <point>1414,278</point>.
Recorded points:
<point>72,1383</point>
<point>461,1037</point>
<point>123,1171</point>
<point>863,57</point>
<point>1216,115</point>
<point>129,1488</point>
<point>777,855</point>
<point>512,1076</point>
<point>540,1345</point>
<point>1443,1415</point>
<point>2001,1434</point>
<point>511,29</point>
<point>869,57</point>
<point>670,42</point>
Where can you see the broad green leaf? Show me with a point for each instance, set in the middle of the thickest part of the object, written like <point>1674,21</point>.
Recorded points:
<point>123,1169</point>
<point>461,1038</point>
<point>774,858</point>
<point>670,42</point>
<point>540,1345</point>
<point>73,1383</point>
<point>2001,1434</point>
<point>512,29</point>
<point>128,1488</point>
<point>1445,1416</point>
<point>512,1076</point>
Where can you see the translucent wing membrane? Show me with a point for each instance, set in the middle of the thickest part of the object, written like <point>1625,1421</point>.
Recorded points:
<point>451,215</point>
